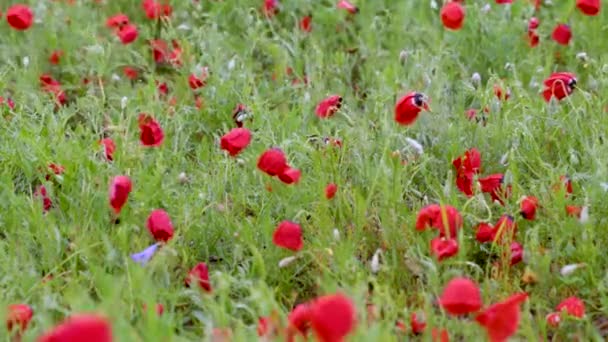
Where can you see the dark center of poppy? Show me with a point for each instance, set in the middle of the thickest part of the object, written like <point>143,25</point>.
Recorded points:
<point>572,83</point>
<point>419,99</point>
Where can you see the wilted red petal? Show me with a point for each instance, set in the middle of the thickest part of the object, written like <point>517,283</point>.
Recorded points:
<point>502,319</point>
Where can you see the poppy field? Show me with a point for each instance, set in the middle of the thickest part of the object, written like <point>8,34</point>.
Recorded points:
<point>281,170</point>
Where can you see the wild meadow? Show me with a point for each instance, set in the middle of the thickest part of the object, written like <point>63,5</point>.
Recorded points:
<point>310,170</point>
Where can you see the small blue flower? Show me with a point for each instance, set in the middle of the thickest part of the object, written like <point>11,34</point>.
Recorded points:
<point>144,256</point>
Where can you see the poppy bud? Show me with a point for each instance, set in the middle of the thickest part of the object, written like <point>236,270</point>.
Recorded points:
<point>288,235</point>
<point>200,275</point>
<point>235,141</point>
<point>20,17</point>
<point>452,15</point>
<point>160,226</point>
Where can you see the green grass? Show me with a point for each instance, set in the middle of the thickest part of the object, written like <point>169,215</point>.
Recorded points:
<point>224,215</point>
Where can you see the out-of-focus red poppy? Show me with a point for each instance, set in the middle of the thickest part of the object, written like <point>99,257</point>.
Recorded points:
<point>18,316</point>
<point>330,190</point>
<point>108,147</point>
<point>158,308</point>
<point>200,276</point>
<point>52,86</point>
<point>409,106</point>
<point>572,306</point>
<point>288,235</point>
<point>332,317</point>
<point>270,8</point>
<point>492,184</point>
<point>444,248</point>
<point>533,37</point>
<point>505,229</point>
<point>198,79</point>
<point>417,323</point>
<point>306,23</point>
<point>439,217</point>
<point>117,21</point>
<point>41,193</point>
<point>154,9</point>
<point>55,57</point>
<point>120,188</point>
<point>290,175</point>
<point>484,233</point>
<point>500,93</point>
<point>517,253</point>
<point>574,210</point>
<point>127,34</point>
<point>299,321</point>
<point>440,335</point>
<point>160,226</point>
<point>589,7</point>
<point>84,327</point>
<point>562,34</point>
<point>235,141</point>
<point>164,55</point>
<point>452,15</point>
<point>467,166</point>
<point>328,106</point>
<point>460,296</point>
<point>502,319</point>
<point>130,73</point>
<point>348,6</point>
<point>559,85</point>
<point>528,206</point>
<point>20,17</point>
<point>151,134</point>
<point>272,162</point>
<point>554,319</point>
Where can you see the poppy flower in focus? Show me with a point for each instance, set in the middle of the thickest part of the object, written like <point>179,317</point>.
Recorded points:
<point>160,226</point>
<point>329,106</point>
<point>306,24</point>
<point>55,57</point>
<point>299,321</point>
<point>18,316</point>
<point>43,195</point>
<point>127,34</point>
<point>559,85</point>
<point>467,166</point>
<point>572,306</point>
<point>270,8</point>
<point>290,175</point>
<point>235,141</point>
<point>84,327</point>
<point>452,15</point>
<point>332,317</point>
<point>200,275</point>
<point>330,190</point>
<point>120,187</point>
<point>527,207</point>
<point>417,323</point>
<point>589,7</point>
<point>151,134</point>
<point>517,253</point>
<point>409,106</point>
<point>460,296</point>
<point>198,79</point>
<point>272,162</point>
<point>492,184</point>
<point>437,216</point>
<point>484,233</point>
<point>20,17</point>
<point>288,235</point>
<point>108,147</point>
<point>505,228</point>
<point>502,319</point>
<point>444,248</point>
<point>348,6</point>
<point>562,34</point>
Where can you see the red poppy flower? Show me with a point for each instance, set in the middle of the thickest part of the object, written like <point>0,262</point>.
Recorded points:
<point>484,233</point>
<point>444,248</point>
<point>155,10</point>
<point>270,8</point>
<point>589,7</point>
<point>235,141</point>
<point>437,216</point>
<point>505,228</point>
<point>117,21</point>
<point>562,34</point>
<point>19,17</point>
<point>109,147</point>
<point>504,2</point>
<point>163,54</point>
<point>332,317</point>
<point>119,192</point>
<point>467,166</point>
<point>290,175</point>
<point>417,323</point>
<point>533,38</point>
<point>18,316</point>
<point>554,319</point>
<point>452,15</point>
<point>306,23</point>
<point>440,335</point>
<point>55,169</point>
<point>348,6</point>
<point>50,85</point>
<point>85,327</point>
<point>527,207</point>
<point>160,226</point>
<point>564,183</point>
<point>299,321</point>
<point>559,85</point>
<point>130,73</point>
<point>573,306</point>
<point>502,94</point>
<point>460,296</point>
<point>46,200</point>
<point>492,184</point>
<point>272,162</point>
<point>329,106</point>
<point>502,319</point>
<point>288,235</point>
<point>409,106</point>
<point>55,57</point>
<point>517,253</point>
<point>198,79</point>
<point>200,275</point>
<point>330,190</point>
<point>127,34</point>
<point>151,134</point>
<point>574,210</point>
